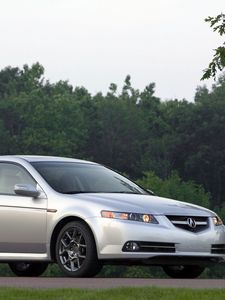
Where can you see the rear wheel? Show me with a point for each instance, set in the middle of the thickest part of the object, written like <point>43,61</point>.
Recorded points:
<point>76,252</point>
<point>28,269</point>
<point>183,271</point>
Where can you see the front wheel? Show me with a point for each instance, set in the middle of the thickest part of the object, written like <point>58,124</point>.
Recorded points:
<point>76,252</point>
<point>28,269</point>
<point>183,271</point>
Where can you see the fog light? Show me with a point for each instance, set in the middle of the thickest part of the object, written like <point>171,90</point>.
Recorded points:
<point>131,247</point>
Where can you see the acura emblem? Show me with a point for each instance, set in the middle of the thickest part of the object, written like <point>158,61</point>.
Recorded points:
<point>191,222</point>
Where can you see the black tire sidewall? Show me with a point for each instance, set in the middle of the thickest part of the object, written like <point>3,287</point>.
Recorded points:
<point>33,270</point>
<point>186,272</point>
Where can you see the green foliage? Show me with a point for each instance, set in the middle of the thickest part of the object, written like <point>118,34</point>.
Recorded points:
<point>5,270</point>
<point>132,131</point>
<point>173,187</point>
<point>126,293</point>
<point>218,61</point>
<point>132,272</point>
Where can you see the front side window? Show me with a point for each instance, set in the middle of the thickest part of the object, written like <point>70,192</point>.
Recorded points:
<point>10,175</point>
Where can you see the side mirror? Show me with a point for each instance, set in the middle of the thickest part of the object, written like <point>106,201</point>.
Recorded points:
<point>26,190</point>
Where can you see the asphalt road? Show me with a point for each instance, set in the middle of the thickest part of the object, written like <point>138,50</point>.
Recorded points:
<point>104,283</point>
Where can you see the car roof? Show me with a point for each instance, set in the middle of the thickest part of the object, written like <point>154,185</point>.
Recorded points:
<point>40,158</point>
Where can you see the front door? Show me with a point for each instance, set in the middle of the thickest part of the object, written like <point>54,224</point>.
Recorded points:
<point>22,219</point>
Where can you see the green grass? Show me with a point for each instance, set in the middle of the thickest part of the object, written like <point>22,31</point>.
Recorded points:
<point>152,293</point>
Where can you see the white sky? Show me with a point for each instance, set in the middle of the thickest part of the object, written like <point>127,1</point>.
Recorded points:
<point>92,43</point>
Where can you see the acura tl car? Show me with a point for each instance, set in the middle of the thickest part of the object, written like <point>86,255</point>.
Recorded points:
<point>82,215</point>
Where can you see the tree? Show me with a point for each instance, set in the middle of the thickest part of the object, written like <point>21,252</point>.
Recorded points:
<point>174,187</point>
<point>115,132</point>
<point>39,117</point>
<point>218,61</point>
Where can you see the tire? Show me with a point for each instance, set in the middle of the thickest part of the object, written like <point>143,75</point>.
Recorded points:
<point>183,271</point>
<point>28,269</point>
<point>76,253</point>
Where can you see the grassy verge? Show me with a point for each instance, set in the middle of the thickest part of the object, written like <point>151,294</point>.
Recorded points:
<point>152,293</point>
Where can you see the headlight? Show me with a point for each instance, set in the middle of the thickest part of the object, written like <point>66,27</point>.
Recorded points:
<point>217,221</point>
<point>146,218</point>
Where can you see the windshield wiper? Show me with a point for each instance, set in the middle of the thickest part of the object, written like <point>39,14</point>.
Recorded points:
<point>78,192</point>
<point>106,192</point>
<point>123,192</point>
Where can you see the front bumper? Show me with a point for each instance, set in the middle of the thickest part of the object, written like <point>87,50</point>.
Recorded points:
<point>111,236</point>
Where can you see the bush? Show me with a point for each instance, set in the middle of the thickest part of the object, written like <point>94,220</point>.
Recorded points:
<point>173,187</point>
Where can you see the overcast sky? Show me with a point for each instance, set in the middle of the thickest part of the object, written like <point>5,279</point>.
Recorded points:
<point>92,43</point>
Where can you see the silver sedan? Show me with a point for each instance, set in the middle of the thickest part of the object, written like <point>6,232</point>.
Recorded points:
<point>82,215</point>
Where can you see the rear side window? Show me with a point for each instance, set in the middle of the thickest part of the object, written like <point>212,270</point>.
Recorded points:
<point>10,175</point>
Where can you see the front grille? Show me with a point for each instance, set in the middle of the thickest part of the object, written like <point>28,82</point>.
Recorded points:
<point>190,223</point>
<point>218,249</point>
<point>158,247</point>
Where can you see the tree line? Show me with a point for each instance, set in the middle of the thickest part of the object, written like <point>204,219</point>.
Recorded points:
<point>130,130</point>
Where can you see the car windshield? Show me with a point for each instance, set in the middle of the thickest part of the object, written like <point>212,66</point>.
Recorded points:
<point>73,178</point>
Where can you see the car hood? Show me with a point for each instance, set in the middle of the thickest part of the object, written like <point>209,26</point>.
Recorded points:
<point>143,204</point>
